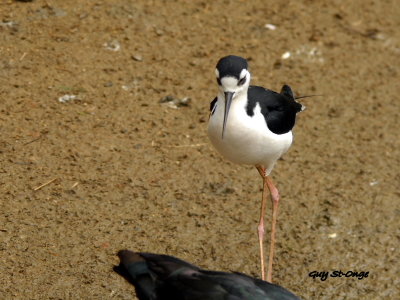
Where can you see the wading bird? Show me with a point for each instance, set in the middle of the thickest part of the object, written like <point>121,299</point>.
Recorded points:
<point>252,125</point>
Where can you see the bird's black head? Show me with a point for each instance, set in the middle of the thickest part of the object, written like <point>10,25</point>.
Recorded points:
<point>233,80</point>
<point>231,66</point>
<point>232,74</point>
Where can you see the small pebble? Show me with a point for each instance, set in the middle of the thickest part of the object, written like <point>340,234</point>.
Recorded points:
<point>270,26</point>
<point>372,183</point>
<point>113,45</point>
<point>66,98</point>
<point>174,102</point>
<point>286,55</point>
<point>9,24</point>
<point>159,32</point>
<point>137,57</point>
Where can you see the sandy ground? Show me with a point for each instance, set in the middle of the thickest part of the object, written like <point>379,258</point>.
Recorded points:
<point>130,172</point>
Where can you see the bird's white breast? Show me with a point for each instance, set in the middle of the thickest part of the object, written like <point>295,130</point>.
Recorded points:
<point>247,139</point>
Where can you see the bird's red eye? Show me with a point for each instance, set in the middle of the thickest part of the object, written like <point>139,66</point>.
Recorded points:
<point>242,81</point>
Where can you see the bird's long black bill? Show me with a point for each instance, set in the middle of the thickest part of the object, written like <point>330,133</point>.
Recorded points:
<point>228,101</point>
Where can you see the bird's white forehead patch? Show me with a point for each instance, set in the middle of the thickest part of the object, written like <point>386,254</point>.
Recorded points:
<point>217,73</point>
<point>229,83</point>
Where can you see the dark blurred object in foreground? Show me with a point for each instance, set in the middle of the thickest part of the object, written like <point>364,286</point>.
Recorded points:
<point>162,277</point>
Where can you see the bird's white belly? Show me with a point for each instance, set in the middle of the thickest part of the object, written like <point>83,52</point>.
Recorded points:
<point>247,140</point>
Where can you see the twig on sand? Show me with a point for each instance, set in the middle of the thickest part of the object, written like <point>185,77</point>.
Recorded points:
<point>23,56</point>
<point>191,145</point>
<point>34,140</point>
<point>44,184</point>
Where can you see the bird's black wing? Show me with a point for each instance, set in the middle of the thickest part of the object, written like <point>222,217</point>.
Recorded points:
<point>213,105</point>
<point>273,291</point>
<point>163,277</point>
<point>213,285</point>
<point>278,109</point>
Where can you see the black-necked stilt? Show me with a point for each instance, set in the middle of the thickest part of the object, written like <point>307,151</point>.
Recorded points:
<point>252,125</point>
<point>163,277</point>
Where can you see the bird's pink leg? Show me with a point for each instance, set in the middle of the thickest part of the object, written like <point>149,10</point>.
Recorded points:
<point>267,185</point>
<point>261,230</point>
<point>275,203</point>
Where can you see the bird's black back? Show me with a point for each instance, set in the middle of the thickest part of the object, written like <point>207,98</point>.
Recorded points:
<point>162,277</point>
<point>278,109</point>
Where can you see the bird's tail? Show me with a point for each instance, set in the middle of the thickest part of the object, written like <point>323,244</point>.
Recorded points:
<point>134,268</point>
<point>288,92</point>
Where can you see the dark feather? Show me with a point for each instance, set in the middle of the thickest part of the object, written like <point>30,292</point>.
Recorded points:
<point>278,109</point>
<point>287,91</point>
<point>231,66</point>
<point>213,105</point>
<point>162,277</point>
